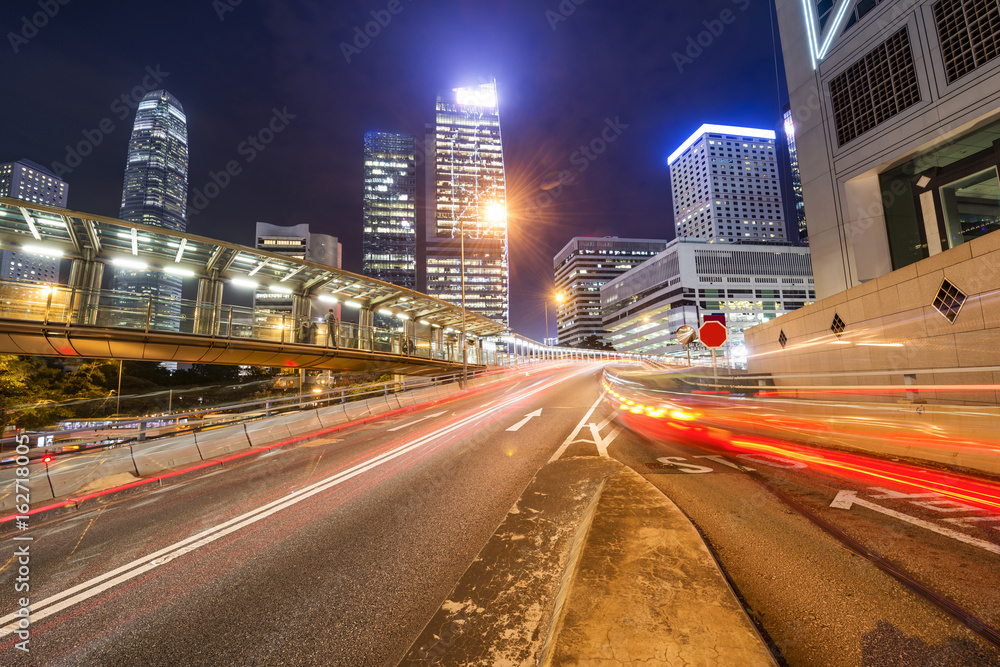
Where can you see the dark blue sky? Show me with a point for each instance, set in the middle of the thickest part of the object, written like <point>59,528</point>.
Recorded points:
<point>561,76</point>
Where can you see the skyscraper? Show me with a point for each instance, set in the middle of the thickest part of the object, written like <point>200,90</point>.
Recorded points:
<point>155,193</point>
<point>390,231</point>
<point>726,188</point>
<point>793,164</point>
<point>581,268</point>
<point>467,197</point>
<point>31,182</point>
<point>297,242</point>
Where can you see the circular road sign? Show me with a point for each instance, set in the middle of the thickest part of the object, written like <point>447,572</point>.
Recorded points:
<point>686,334</point>
<point>713,334</point>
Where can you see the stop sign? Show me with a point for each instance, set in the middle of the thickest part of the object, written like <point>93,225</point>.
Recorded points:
<point>713,334</point>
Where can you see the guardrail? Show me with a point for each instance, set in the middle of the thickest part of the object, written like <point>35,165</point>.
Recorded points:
<point>122,431</point>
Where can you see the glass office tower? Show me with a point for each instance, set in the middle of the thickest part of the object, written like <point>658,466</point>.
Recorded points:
<point>155,193</point>
<point>467,196</point>
<point>390,230</point>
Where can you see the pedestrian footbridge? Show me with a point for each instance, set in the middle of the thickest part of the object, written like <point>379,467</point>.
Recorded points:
<point>79,316</point>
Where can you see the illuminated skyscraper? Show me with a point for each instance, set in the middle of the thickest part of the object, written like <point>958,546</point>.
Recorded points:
<point>390,232</point>
<point>793,163</point>
<point>726,188</point>
<point>31,182</point>
<point>467,196</point>
<point>155,193</point>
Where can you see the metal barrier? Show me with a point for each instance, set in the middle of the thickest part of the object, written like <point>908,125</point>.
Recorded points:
<point>146,427</point>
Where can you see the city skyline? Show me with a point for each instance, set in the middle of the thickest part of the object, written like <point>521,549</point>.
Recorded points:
<point>308,170</point>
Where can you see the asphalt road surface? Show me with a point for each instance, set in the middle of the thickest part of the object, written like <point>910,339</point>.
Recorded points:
<point>336,551</point>
<point>339,550</point>
<point>820,603</point>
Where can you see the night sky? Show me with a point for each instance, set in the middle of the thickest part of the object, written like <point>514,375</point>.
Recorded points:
<point>564,70</point>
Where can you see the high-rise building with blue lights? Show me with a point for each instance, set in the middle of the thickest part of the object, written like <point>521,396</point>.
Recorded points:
<point>155,193</point>
<point>467,201</point>
<point>726,188</point>
<point>390,231</point>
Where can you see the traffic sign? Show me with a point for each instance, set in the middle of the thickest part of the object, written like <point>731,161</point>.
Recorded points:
<point>686,334</point>
<point>713,334</point>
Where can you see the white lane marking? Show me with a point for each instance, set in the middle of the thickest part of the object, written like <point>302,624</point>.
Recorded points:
<point>95,586</point>
<point>845,499</point>
<point>583,422</point>
<point>679,463</point>
<point>974,520</point>
<point>602,443</point>
<point>527,418</point>
<point>726,462</point>
<point>417,421</point>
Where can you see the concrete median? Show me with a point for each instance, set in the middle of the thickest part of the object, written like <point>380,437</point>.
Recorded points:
<point>154,457</point>
<point>303,423</point>
<point>38,487</point>
<point>268,431</point>
<point>218,441</point>
<point>82,471</point>
<point>357,410</point>
<point>331,416</point>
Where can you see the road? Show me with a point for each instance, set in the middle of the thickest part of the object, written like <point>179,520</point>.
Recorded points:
<point>346,576</point>
<point>820,603</point>
<point>339,550</point>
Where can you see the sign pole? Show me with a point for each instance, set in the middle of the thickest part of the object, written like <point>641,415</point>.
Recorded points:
<point>715,369</point>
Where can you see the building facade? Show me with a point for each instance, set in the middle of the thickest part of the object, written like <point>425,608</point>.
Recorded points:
<point>297,242</point>
<point>748,283</point>
<point>896,106</point>
<point>31,182</point>
<point>390,230</point>
<point>581,268</point>
<point>797,222</point>
<point>155,193</point>
<point>726,186</point>
<point>467,203</point>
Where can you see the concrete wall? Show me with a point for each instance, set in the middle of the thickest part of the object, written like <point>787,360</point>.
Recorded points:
<point>896,309</point>
<point>847,233</point>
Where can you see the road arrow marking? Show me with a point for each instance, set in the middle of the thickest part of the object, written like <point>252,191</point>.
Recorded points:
<point>436,414</point>
<point>602,443</point>
<point>527,418</point>
<point>846,499</point>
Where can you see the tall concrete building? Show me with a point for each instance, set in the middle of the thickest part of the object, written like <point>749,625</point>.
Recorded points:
<point>297,242</point>
<point>896,106</point>
<point>581,268</point>
<point>748,283</point>
<point>726,186</point>
<point>155,193</point>
<point>467,200</point>
<point>390,230</point>
<point>34,183</point>
<point>797,221</point>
